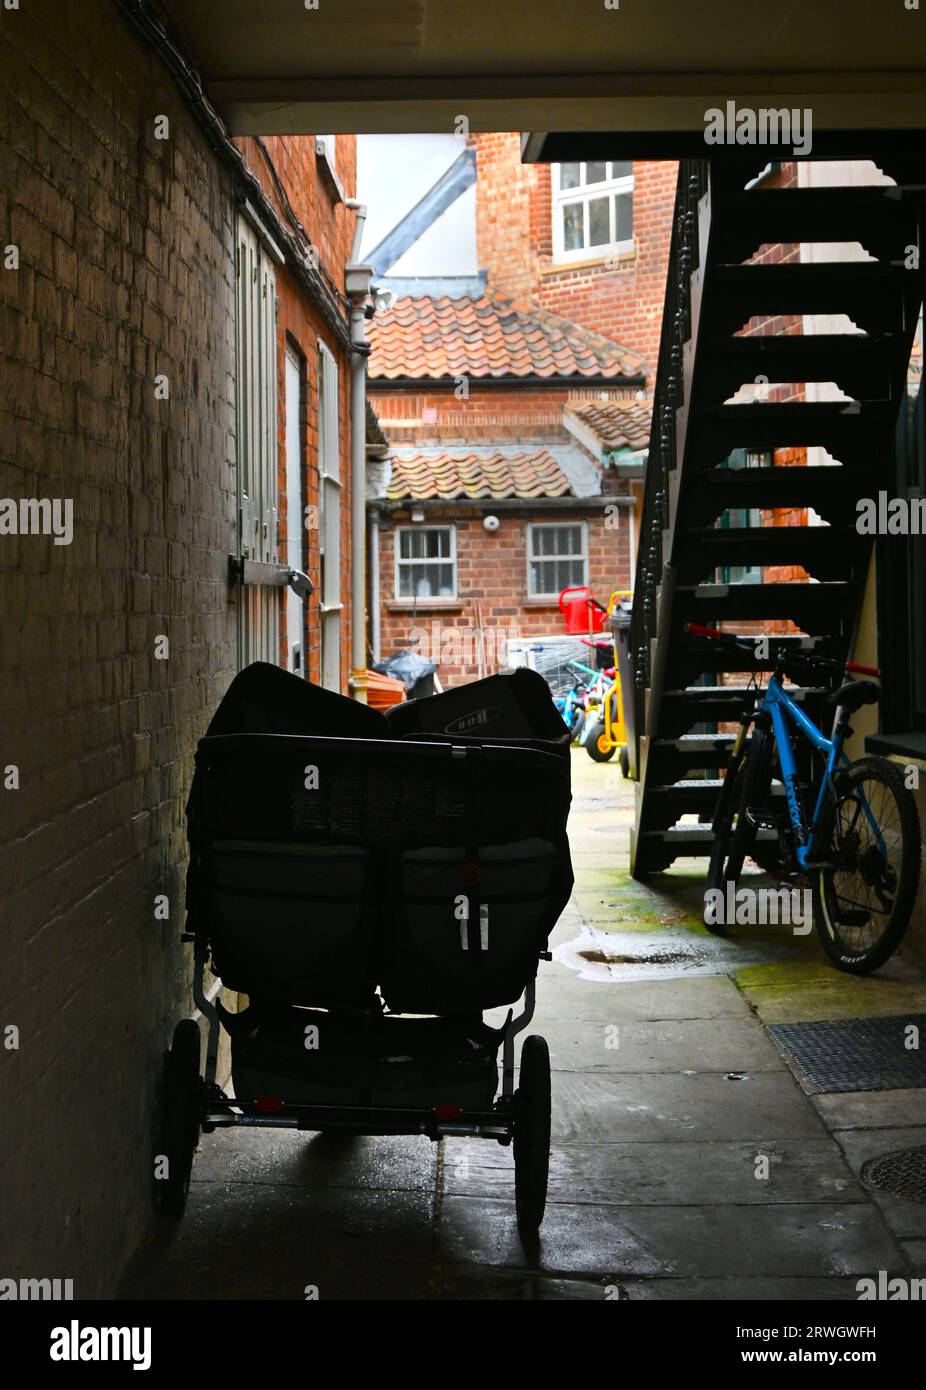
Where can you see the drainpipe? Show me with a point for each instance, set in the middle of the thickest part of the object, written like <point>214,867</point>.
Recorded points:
<point>357,284</point>
<point>376,635</point>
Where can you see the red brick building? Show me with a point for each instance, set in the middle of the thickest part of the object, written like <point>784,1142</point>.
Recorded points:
<point>307,179</point>
<point>514,408</point>
<point>605,269</point>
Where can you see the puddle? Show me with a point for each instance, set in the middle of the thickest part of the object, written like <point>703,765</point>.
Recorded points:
<point>665,958</point>
<point>623,956</point>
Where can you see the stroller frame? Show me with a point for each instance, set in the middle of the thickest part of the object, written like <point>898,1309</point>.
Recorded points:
<point>218,1111</point>
<point>193,1104</point>
<point>412,789</point>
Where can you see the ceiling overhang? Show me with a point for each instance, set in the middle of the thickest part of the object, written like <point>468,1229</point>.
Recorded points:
<point>641,68</point>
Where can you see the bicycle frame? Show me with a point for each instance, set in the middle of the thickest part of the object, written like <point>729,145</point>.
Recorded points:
<point>781,709</point>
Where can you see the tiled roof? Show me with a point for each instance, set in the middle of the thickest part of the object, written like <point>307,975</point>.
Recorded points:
<point>617,424</point>
<point>428,338</point>
<point>452,474</point>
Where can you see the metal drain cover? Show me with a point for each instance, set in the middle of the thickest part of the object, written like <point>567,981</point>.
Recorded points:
<point>858,1054</point>
<point>902,1174</point>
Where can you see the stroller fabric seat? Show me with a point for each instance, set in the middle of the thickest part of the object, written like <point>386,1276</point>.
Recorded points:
<point>335,851</point>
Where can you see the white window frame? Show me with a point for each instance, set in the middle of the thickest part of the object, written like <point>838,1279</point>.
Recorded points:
<point>295,387</point>
<point>451,560</point>
<point>584,193</point>
<point>533,526</point>
<point>256,439</point>
<point>329,505</point>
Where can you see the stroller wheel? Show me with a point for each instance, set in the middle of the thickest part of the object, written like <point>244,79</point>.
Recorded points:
<point>181,1117</point>
<point>532,1134</point>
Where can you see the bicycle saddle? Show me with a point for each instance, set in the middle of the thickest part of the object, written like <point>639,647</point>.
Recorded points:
<point>854,694</point>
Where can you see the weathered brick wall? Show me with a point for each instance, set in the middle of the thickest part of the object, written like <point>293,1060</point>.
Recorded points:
<point>492,566</point>
<point>126,272</point>
<point>323,214</point>
<point>492,586</point>
<point>490,415</point>
<point>622,300</point>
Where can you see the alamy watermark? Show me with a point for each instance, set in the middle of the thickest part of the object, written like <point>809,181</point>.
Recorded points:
<point>76,1343</point>
<point>891,516</point>
<point>732,906</point>
<point>38,516</point>
<point>746,125</point>
<point>898,1289</point>
<point>36,1290</point>
<point>464,646</point>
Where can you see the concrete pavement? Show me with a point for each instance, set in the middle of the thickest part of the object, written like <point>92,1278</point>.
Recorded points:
<point>689,1161</point>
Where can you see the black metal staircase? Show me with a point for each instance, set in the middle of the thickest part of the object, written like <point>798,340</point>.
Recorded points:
<point>712,294</point>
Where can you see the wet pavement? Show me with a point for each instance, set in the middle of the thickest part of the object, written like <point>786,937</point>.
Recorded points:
<point>689,1159</point>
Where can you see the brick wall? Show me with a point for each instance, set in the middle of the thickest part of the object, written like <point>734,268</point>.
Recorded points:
<point>492,586</point>
<point>622,300</point>
<point>126,248</point>
<point>490,415</point>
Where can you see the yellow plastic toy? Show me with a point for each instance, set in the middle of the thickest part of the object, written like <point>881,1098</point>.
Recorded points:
<point>604,731</point>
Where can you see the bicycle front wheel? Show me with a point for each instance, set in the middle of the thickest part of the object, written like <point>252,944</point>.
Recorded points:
<point>871,835</point>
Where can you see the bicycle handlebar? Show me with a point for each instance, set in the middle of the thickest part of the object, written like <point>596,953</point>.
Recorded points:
<point>730,639</point>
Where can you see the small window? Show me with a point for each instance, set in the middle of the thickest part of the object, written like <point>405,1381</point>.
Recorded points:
<point>592,208</point>
<point>426,562</point>
<point>557,557</point>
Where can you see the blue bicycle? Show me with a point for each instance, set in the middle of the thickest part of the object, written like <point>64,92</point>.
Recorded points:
<point>571,704</point>
<point>859,850</point>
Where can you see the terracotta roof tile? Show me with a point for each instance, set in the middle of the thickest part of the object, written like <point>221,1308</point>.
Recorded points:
<point>421,474</point>
<point>434,338</point>
<point>617,424</point>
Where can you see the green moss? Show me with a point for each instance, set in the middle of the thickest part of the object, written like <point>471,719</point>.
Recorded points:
<point>803,991</point>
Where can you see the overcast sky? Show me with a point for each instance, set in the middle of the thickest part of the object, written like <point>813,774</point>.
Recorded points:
<point>393,172</point>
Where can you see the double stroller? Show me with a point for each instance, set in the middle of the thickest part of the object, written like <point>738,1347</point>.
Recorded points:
<point>373,883</point>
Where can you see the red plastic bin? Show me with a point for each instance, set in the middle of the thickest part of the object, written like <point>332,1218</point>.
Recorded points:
<point>581,611</point>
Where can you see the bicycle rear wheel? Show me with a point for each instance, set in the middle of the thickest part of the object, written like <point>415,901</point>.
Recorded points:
<point>746,784</point>
<point>872,832</point>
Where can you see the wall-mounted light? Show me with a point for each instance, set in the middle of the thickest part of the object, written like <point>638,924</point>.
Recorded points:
<point>417,513</point>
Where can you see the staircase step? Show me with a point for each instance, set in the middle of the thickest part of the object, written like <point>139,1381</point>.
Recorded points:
<point>670,759</point>
<point>860,365</point>
<point>825,552</point>
<point>667,803</point>
<point>832,492</point>
<point>693,657</point>
<point>823,609</point>
<point>681,710</point>
<point>871,293</point>
<point>681,841</point>
<point>883,222</point>
<point>848,430</point>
